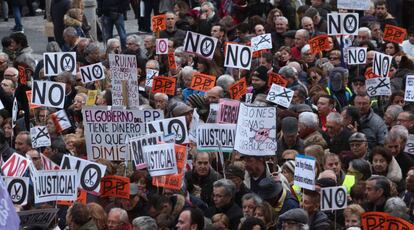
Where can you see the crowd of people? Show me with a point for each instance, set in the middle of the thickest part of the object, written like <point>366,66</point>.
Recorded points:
<point>359,140</point>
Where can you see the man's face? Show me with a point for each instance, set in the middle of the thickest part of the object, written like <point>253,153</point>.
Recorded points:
<point>170,21</point>
<point>220,198</point>
<point>160,103</point>
<point>333,128</point>
<point>404,120</point>
<point>372,194</point>
<point>252,164</point>
<point>393,147</point>
<point>409,181</point>
<point>381,11</point>
<point>7,86</point>
<point>249,207</point>
<point>362,104</point>
<point>35,156</point>
<point>184,221</point>
<point>359,148</point>
<point>20,144</point>
<point>10,74</point>
<point>323,106</point>
<point>257,83</point>
<point>307,24</point>
<point>359,87</point>
<point>148,43</point>
<point>300,39</point>
<point>202,165</point>
<point>259,30</point>
<point>280,25</point>
<point>333,163</point>
<point>215,32</point>
<point>213,96</point>
<point>114,221</point>
<point>308,205</point>
<point>362,36</point>
<point>290,139</point>
<point>131,45</point>
<point>43,114</point>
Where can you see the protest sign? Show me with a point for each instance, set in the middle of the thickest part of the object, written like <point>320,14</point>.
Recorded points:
<point>41,218</point>
<point>40,137</point>
<point>319,43</point>
<point>124,69</point>
<point>160,159</point>
<point>357,55</point>
<point>54,185</point>
<point>379,86</point>
<point>161,46</point>
<point>48,93</point>
<point>58,62</point>
<point>18,188</point>
<point>369,74</point>
<point>238,89</point>
<point>16,165</point>
<point>192,133</point>
<point>150,74</point>
<point>228,111</point>
<point>135,145</point>
<point>161,84</point>
<point>200,44</point>
<point>383,220</point>
<point>381,64</point>
<point>159,22</point>
<point>305,172</point>
<point>409,146</point>
<point>409,88</point>
<point>277,79</point>
<point>1,103</point>
<point>202,82</point>
<point>354,4</point>
<point>91,97</point>
<point>343,24</point>
<point>394,34</point>
<point>8,215</point>
<point>94,72</point>
<point>89,173</point>
<point>256,131</point>
<point>249,98</point>
<point>48,164</point>
<point>209,136</point>
<point>238,56</point>
<point>82,198</point>
<point>261,42</point>
<point>333,198</point>
<point>15,110</point>
<point>29,100</point>
<point>212,115</point>
<point>115,186</point>
<point>106,130</point>
<point>61,120</point>
<point>176,125</point>
<point>171,61</point>
<point>280,95</point>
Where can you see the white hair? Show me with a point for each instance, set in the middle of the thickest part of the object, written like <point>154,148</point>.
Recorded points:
<point>335,117</point>
<point>309,119</point>
<point>365,29</point>
<point>283,19</point>
<point>123,217</point>
<point>187,71</point>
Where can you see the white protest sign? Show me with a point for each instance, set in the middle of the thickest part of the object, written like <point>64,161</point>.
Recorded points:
<point>62,119</point>
<point>48,164</point>
<point>37,217</point>
<point>161,159</point>
<point>256,131</point>
<point>1,105</point>
<point>305,172</point>
<point>280,95</point>
<point>333,198</point>
<point>209,136</point>
<point>343,23</point>
<point>381,64</point>
<point>409,88</point>
<point>124,69</point>
<point>48,93</point>
<point>212,116</point>
<point>89,173</point>
<point>249,98</point>
<point>262,42</point>
<point>15,111</point>
<point>18,188</point>
<point>177,125</point>
<point>16,165</point>
<point>238,56</point>
<point>55,185</point>
<point>135,145</point>
<point>356,55</point>
<point>94,72</point>
<point>409,146</point>
<point>40,137</point>
<point>150,74</point>
<point>161,46</point>
<point>192,133</point>
<point>228,111</point>
<point>106,130</point>
<point>379,86</point>
<point>354,4</point>
<point>58,62</point>
<point>200,44</point>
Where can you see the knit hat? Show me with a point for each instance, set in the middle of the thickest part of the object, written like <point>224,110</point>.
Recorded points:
<point>262,73</point>
<point>289,165</point>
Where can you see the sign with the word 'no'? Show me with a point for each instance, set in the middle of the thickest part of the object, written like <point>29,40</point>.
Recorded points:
<point>333,198</point>
<point>200,44</point>
<point>56,63</point>
<point>48,93</point>
<point>343,23</point>
<point>94,72</point>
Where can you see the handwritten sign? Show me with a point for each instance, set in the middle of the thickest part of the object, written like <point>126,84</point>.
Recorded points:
<point>40,137</point>
<point>159,22</point>
<point>280,95</point>
<point>150,74</point>
<point>277,79</point>
<point>238,89</point>
<point>262,42</point>
<point>379,86</point>
<point>115,186</point>
<point>319,43</point>
<point>210,136</point>
<point>202,82</point>
<point>160,159</point>
<point>228,111</point>
<point>394,34</point>
<point>305,172</point>
<point>354,4</point>
<point>163,84</point>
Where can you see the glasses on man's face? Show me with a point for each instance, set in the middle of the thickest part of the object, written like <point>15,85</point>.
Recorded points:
<point>10,75</point>
<point>333,58</point>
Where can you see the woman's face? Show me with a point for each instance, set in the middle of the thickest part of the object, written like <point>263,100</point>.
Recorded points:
<point>314,77</point>
<point>379,164</point>
<point>352,220</point>
<point>78,102</point>
<point>285,56</point>
<point>390,49</point>
<point>288,175</point>
<point>50,126</point>
<point>8,131</point>
<point>331,44</point>
<point>258,213</point>
<point>69,143</point>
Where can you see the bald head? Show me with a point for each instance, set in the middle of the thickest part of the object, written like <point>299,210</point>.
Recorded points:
<point>11,73</point>
<point>214,94</point>
<point>307,24</point>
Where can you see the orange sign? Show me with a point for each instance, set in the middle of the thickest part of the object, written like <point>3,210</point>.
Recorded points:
<point>163,84</point>
<point>29,99</point>
<point>22,74</point>
<point>394,34</point>
<point>202,82</point>
<point>276,79</point>
<point>319,43</point>
<point>181,156</point>
<point>369,74</point>
<point>159,23</point>
<point>238,89</point>
<point>81,199</point>
<point>115,186</point>
<point>382,220</point>
<point>171,61</point>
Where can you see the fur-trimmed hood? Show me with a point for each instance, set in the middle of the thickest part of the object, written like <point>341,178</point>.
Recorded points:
<point>69,21</point>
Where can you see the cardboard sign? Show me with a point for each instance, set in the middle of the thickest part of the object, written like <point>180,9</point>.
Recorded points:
<point>165,85</point>
<point>169,182</point>
<point>394,34</point>
<point>135,145</point>
<point>161,46</point>
<point>115,186</point>
<point>94,72</point>
<point>159,22</point>
<point>409,146</point>
<point>82,198</point>
<point>238,56</point>
<point>89,173</point>
<point>305,172</point>
<point>38,217</point>
<point>54,185</point>
<point>61,120</point>
<point>106,130</point>
<point>277,79</point>
<point>192,133</point>
<point>343,24</point>
<point>280,95</point>
<point>238,89</point>
<point>48,164</point>
<point>262,42</point>
<point>383,220</point>
<point>210,136</point>
<point>369,74</point>
<point>357,55</point>
<point>177,125</point>
<point>202,82</point>
<point>212,115</point>
<point>91,97</point>
<point>48,93</point>
<point>124,69</point>
<point>256,131</point>
<point>354,4</point>
<point>29,100</point>
<point>379,86</point>
<point>161,159</point>
<point>18,188</point>
<point>150,74</point>
<point>200,44</point>
<point>319,43</point>
<point>228,111</point>
<point>333,198</point>
<point>16,165</point>
<point>171,61</point>
<point>58,62</point>
<point>409,88</point>
<point>40,137</point>
<point>382,64</point>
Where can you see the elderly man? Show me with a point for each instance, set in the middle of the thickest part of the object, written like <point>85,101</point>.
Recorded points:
<point>118,219</point>
<point>23,142</point>
<point>214,94</point>
<point>133,47</point>
<point>161,102</point>
<point>391,115</point>
<point>358,144</point>
<point>187,75</point>
<point>208,18</point>
<point>34,155</point>
<point>71,38</point>
<point>311,204</point>
<point>144,223</point>
<point>394,143</point>
<point>406,119</point>
<point>149,44</point>
<point>225,81</point>
<point>296,218</point>
<point>337,133</point>
<point>301,39</point>
<point>378,190</point>
<point>308,130</point>
<point>8,87</point>
<point>12,74</point>
<point>4,63</point>
<point>281,26</point>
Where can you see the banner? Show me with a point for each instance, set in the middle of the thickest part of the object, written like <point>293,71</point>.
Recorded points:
<point>91,73</point>
<point>333,198</point>
<point>54,185</point>
<point>177,125</point>
<point>394,34</point>
<point>41,218</point>
<point>210,136</point>
<point>383,220</point>
<point>319,43</point>
<point>150,74</point>
<point>161,46</point>
<point>354,4</point>
<point>409,88</point>
<point>343,23</point>
<point>238,89</point>
<point>161,84</point>
<point>200,44</point>
<point>40,137</point>
<point>58,62</point>
<point>379,86</point>
<point>262,42</point>
<point>49,94</point>
<point>115,186</point>
<point>135,145</point>
<point>280,95</point>
<point>228,111</point>
<point>202,82</point>
<point>18,188</point>
<point>161,159</point>
<point>16,165</point>
<point>256,131</point>
<point>305,172</point>
<point>238,56</point>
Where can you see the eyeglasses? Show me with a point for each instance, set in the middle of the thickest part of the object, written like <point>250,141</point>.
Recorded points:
<point>10,75</point>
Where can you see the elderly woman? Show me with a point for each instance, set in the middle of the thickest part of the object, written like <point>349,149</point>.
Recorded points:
<point>391,114</point>
<point>352,215</point>
<point>383,163</point>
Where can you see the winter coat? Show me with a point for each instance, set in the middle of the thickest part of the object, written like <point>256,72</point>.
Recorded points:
<point>374,128</point>
<point>75,23</point>
<point>232,211</point>
<point>90,225</point>
<point>206,183</point>
<point>57,11</point>
<point>319,221</point>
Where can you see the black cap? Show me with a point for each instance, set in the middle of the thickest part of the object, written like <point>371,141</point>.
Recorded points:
<point>233,170</point>
<point>269,188</point>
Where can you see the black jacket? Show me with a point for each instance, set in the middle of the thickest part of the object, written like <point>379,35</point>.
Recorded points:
<point>205,183</point>
<point>232,211</point>
<point>106,7</point>
<point>58,10</point>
